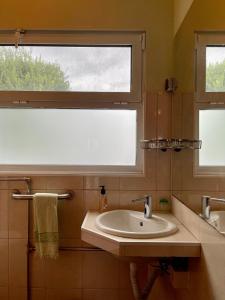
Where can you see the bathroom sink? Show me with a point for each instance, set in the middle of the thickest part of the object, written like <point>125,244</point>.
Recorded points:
<point>132,224</point>
<point>217,219</point>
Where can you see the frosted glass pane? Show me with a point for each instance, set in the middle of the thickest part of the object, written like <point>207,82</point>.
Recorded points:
<point>67,137</point>
<point>212,134</point>
<point>215,69</point>
<point>63,68</point>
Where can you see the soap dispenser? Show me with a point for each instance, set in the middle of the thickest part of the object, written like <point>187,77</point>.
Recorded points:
<point>103,199</point>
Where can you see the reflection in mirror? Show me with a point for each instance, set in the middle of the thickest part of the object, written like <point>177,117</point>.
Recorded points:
<point>186,186</point>
<point>215,66</point>
<point>213,212</point>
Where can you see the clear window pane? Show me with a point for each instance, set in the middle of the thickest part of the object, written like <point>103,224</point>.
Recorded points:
<point>215,69</point>
<point>65,68</point>
<point>212,134</point>
<point>67,137</point>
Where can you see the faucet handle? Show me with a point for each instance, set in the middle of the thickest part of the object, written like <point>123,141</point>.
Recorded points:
<point>146,198</point>
<point>148,205</point>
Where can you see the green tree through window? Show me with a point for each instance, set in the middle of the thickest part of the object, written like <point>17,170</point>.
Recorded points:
<point>215,77</point>
<point>19,70</point>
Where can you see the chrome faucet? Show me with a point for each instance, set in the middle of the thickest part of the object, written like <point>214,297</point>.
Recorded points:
<point>148,205</point>
<point>206,207</point>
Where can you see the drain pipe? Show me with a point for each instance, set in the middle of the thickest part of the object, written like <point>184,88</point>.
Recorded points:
<point>160,267</point>
<point>134,281</point>
<point>153,275</point>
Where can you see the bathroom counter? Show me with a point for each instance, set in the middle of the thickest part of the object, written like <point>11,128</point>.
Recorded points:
<point>180,244</point>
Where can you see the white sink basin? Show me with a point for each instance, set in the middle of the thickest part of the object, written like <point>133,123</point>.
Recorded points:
<point>217,219</point>
<point>129,223</point>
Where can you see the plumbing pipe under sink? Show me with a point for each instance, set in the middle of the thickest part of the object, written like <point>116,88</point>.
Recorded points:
<point>157,268</point>
<point>137,292</point>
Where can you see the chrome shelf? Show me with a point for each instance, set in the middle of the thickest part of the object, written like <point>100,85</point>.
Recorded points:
<point>171,144</point>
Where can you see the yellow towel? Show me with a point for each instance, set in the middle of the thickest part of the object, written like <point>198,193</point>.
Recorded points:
<point>46,224</point>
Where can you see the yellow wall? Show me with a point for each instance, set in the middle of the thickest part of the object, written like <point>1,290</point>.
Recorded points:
<point>153,16</point>
<point>181,8</point>
<point>203,15</point>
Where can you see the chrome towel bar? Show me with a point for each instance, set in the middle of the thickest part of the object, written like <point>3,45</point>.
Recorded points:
<point>79,249</point>
<point>15,179</point>
<point>18,196</point>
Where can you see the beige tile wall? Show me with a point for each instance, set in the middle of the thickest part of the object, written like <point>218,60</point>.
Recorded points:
<point>80,275</point>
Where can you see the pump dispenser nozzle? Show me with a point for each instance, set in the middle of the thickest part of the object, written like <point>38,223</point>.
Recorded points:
<point>103,199</point>
<point>103,191</point>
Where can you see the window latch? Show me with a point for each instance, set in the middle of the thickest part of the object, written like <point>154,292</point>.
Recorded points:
<point>120,103</point>
<point>20,102</point>
<point>18,36</point>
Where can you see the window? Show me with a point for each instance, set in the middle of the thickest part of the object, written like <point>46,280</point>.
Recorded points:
<point>71,102</point>
<point>211,130</point>
<point>66,69</point>
<point>210,67</point>
<point>212,152</point>
<point>87,66</point>
<point>215,69</point>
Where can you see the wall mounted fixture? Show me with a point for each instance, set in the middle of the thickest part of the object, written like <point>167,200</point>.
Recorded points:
<point>16,195</point>
<point>173,144</point>
<point>170,85</point>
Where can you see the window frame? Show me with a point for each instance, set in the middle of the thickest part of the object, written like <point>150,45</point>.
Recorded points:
<point>89,100</point>
<point>86,170</point>
<point>202,40</point>
<point>77,38</point>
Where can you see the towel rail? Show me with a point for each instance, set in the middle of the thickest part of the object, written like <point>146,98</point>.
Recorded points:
<point>79,249</point>
<point>18,196</point>
<point>15,179</point>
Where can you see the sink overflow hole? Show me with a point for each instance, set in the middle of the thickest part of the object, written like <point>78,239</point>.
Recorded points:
<point>141,224</point>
